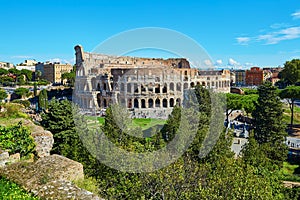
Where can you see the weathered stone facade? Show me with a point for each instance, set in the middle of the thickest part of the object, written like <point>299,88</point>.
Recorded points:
<point>148,87</point>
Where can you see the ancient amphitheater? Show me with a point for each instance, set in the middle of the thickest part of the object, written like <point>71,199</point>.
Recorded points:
<point>148,87</point>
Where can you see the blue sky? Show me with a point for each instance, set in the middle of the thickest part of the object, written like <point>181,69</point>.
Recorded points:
<point>234,33</point>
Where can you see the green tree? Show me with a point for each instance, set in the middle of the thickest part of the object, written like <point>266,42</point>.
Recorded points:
<point>38,75</point>
<point>3,94</point>
<point>248,103</point>
<point>14,71</point>
<point>3,72</point>
<point>291,93</point>
<point>22,92</point>
<point>21,79</point>
<point>291,72</point>
<point>43,100</point>
<point>70,77</point>
<point>6,80</point>
<point>233,102</point>
<point>269,127</point>
<point>35,89</point>
<point>27,73</point>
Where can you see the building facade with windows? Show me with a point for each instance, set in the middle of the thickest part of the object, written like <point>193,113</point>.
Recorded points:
<point>53,71</point>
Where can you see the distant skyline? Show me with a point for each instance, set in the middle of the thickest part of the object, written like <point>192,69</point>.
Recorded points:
<point>234,33</point>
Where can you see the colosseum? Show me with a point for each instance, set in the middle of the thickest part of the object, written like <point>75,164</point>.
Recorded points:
<point>148,87</point>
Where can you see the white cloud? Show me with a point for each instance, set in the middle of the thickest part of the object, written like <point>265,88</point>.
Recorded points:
<point>61,60</point>
<point>249,64</point>
<point>296,15</point>
<point>219,62</point>
<point>243,40</point>
<point>21,57</point>
<point>279,32</point>
<point>281,35</point>
<point>232,62</point>
<point>279,25</point>
<point>208,63</point>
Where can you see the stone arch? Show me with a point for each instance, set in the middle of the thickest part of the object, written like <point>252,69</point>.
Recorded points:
<point>178,86</point>
<point>198,83</point>
<point>171,102</point>
<point>150,103</point>
<point>172,87</point>
<point>208,84</point>
<point>203,83</point>
<point>98,87</point>
<point>136,103</point>
<point>165,103</point>
<point>128,88</point>
<point>165,90</point>
<point>157,89</point>
<point>185,86</point>
<point>178,102</point>
<point>104,86</point>
<point>129,105</point>
<point>212,84</point>
<point>192,84</point>
<point>143,88</point>
<point>143,103</point>
<point>157,103</point>
<point>104,103</point>
<point>99,100</point>
<point>136,88</point>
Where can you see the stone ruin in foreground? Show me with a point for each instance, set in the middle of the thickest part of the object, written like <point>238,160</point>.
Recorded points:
<point>148,87</point>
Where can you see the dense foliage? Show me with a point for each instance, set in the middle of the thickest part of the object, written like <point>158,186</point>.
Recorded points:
<point>269,128</point>
<point>291,94</point>
<point>216,176</point>
<point>3,95</point>
<point>22,92</point>
<point>10,190</point>
<point>17,139</point>
<point>291,72</point>
<point>43,100</point>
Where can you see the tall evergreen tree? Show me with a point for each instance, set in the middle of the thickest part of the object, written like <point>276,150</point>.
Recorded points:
<point>43,100</point>
<point>269,129</point>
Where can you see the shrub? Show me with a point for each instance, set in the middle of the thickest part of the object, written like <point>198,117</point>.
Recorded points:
<point>13,111</point>
<point>10,190</point>
<point>25,103</point>
<point>17,139</point>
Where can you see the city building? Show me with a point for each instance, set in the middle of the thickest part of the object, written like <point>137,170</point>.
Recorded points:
<point>240,77</point>
<point>53,71</point>
<point>27,64</point>
<point>254,76</point>
<point>6,65</point>
<point>148,87</point>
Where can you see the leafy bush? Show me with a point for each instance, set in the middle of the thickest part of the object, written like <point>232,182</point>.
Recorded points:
<point>25,103</point>
<point>17,139</point>
<point>13,111</point>
<point>10,190</point>
<point>88,183</point>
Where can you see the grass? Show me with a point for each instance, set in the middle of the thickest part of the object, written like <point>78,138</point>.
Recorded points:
<point>10,190</point>
<point>289,172</point>
<point>143,123</point>
<point>147,123</point>
<point>287,114</point>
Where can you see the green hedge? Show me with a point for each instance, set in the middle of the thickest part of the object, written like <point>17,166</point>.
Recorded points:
<point>10,190</point>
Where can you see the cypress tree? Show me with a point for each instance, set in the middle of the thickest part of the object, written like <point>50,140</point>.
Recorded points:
<point>269,129</point>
